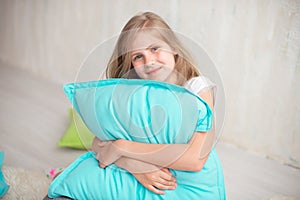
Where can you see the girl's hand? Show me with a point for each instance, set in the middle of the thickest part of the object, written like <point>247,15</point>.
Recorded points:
<point>157,181</point>
<point>107,153</point>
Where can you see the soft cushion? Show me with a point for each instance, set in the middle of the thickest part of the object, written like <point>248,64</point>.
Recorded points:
<point>140,110</point>
<point>77,135</point>
<point>3,186</point>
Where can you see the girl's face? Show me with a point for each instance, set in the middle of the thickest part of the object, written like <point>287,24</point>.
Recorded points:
<point>152,58</point>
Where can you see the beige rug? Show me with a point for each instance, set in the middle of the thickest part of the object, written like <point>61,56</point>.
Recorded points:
<point>25,184</point>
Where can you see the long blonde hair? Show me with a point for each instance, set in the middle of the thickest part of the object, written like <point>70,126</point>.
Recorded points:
<point>120,65</point>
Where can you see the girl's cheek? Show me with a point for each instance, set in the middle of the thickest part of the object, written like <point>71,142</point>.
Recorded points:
<point>139,70</point>
<point>138,63</point>
<point>165,55</point>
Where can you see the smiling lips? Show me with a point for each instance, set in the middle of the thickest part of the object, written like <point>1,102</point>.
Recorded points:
<point>154,70</point>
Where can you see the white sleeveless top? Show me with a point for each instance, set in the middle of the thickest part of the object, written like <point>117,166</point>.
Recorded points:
<point>199,84</point>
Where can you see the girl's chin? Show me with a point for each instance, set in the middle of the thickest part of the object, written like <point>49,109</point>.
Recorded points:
<point>161,78</point>
<point>158,77</point>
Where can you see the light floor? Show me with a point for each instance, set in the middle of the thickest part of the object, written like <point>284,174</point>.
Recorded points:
<point>250,176</point>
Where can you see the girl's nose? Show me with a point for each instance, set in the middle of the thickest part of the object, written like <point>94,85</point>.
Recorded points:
<point>149,58</point>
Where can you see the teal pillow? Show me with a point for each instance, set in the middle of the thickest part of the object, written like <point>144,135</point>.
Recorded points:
<point>139,110</point>
<point>3,186</point>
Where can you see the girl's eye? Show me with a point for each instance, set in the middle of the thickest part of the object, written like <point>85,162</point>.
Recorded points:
<point>154,49</point>
<point>137,57</point>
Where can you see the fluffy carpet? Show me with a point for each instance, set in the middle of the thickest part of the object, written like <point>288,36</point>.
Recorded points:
<point>25,184</point>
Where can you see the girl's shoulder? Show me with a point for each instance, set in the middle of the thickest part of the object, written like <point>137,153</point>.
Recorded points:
<point>199,83</point>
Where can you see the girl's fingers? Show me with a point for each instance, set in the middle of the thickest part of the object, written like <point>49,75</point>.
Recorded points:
<point>165,186</point>
<point>166,183</point>
<point>102,165</point>
<point>155,190</point>
<point>166,170</point>
<point>167,176</point>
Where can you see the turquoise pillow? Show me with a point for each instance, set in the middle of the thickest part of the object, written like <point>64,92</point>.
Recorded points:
<point>3,186</point>
<point>139,110</point>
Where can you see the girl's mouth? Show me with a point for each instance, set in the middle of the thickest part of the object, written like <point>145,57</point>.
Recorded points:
<point>154,71</point>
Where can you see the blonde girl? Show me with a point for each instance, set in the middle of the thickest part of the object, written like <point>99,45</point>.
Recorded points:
<point>148,49</point>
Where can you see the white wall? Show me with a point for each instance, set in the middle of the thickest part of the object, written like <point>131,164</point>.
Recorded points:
<point>255,45</point>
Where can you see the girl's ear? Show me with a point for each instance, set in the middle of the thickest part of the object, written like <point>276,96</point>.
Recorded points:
<point>174,51</point>
<point>175,56</point>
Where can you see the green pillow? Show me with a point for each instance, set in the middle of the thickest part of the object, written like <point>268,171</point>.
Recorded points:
<point>77,135</point>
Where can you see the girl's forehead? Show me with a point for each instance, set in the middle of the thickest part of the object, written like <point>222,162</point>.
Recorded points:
<point>143,40</point>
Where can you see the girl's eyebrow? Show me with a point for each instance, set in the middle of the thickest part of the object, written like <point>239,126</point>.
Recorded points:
<point>136,51</point>
<point>153,44</point>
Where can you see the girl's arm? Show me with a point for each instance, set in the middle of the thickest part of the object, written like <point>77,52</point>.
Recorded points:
<point>176,156</point>
<point>189,157</point>
<point>152,177</point>
<point>131,165</point>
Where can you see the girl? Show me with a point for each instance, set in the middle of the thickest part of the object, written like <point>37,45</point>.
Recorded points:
<point>148,49</point>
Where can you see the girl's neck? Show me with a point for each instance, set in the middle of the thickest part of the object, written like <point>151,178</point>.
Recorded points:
<point>174,78</point>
